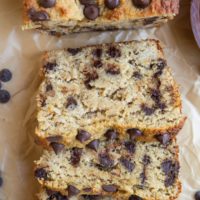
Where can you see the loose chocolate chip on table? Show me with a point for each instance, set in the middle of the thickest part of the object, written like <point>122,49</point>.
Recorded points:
<point>38,15</point>
<point>97,52</point>
<point>55,138</point>
<point>91,11</point>
<point>111,134</point>
<point>73,51</point>
<point>47,3</point>
<point>163,138</point>
<point>94,144</point>
<point>112,4</point>
<point>72,191</point>
<point>83,135</point>
<point>109,188</point>
<point>97,64</point>
<point>130,146</point>
<point>5,75</point>
<point>127,164</point>
<point>141,3</point>
<point>49,66</point>
<point>76,155</point>
<point>135,197</point>
<point>71,103</point>
<point>197,195</point>
<point>134,133</point>
<point>4,96</point>
<point>57,147</point>
<point>106,163</point>
<point>41,173</point>
<point>114,52</point>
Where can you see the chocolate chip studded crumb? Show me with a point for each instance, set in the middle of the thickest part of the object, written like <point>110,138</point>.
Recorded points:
<point>135,197</point>
<point>127,164</point>
<point>112,4</point>
<point>4,96</point>
<point>111,134</point>
<point>47,3</point>
<point>134,133</point>
<point>94,144</point>
<point>5,75</point>
<point>83,136</point>
<point>109,188</point>
<point>38,15</point>
<point>72,190</point>
<point>74,51</point>
<point>71,103</point>
<point>91,12</point>
<point>141,3</point>
<point>76,155</point>
<point>112,69</point>
<point>113,52</point>
<point>57,147</point>
<point>41,173</point>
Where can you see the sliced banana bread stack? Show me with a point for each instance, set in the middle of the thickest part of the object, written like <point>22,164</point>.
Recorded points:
<point>108,115</point>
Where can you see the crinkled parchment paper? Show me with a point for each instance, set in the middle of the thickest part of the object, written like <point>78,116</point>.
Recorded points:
<point>20,52</point>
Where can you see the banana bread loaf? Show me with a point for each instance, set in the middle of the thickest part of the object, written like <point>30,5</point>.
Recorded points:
<point>59,17</point>
<point>110,166</point>
<point>88,91</point>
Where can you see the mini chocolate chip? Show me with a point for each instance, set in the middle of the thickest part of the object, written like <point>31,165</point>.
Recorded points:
<point>94,144</point>
<point>111,134</point>
<point>87,85</point>
<point>71,103</point>
<point>163,138</point>
<point>130,146</point>
<point>91,11</point>
<point>114,52</point>
<point>106,163</point>
<point>38,15</point>
<point>4,96</point>
<point>112,69</point>
<point>55,138</point>
<point>83,136</point>
<point>137,75</point>
<point>147,110</point>
<point>5,75</point>
<point>141,3</point>
<point>72,191</point>
<point>146,160</point>
<point>127,164</point>
<point>97,64</point>
<point>76,155</point>
<point>135,197</point>
<point>112,4</point>
<point>1,181</point>
<point>92,197</point>
<point>87,2</point>
<point>109,188</point>
<point>73,51</point>
<point>97,52</point>
<point>197,195</point>
<point>161,64</point>
<point>57,147</point>
<point>41,173</point>
<point>49,87</point>
<point>134,133</point>
<point>47,3</point>
<point>49,66</point>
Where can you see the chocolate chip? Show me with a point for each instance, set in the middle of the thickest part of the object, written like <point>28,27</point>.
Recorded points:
<point>171,170</point>
<point>72,191</point>
<point>137,75</point>
<point>87,2</point>
<point>161,64</point>
<point>147,110</point>
<point>163,138</point>
<point>112,69</point>
<point>1,181</point>
<point>114,52</point>
<point>87,189</point>
<point>97,52</point>
<point>112,4</point>
<point>141,3</point>
<point>38,15</point>
<point>49,66</point>
<point>109,188</point>
<point>56,138</point>
<point>92,197</point>
<point>162,106</point>
<point>90,75</point>
<point>130,146</point>
<point>56,195</point>
<point>47,3</point>
<point>134,133</point>
<point>97,64</point>
<point>127,164</point>
<point>94,144</point>
<point>49,87</point>
<point>5,75</point>
<point>57,147</point>
<point>111,134</point>
<point>91,11</point>
<point>135,197</point>
<point>146,160</point>
<point>155,95</point>
<point>4,96</point>
<point>197,195</point>
<point>83,136</point>
<point>106,163</point>
<point>76,155</point>
<point>143,177</point>
<point>41,173</point>
<point>73,51</point>
<point>71,103</point>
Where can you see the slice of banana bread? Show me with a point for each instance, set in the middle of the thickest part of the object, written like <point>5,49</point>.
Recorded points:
<point>59,17</point>
<point>123,86</point>
<point>110,166</point>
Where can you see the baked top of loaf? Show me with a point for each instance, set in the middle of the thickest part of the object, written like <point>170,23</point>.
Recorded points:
<point>148,170</point>
<point>122,86</point>
<point>87,12</point>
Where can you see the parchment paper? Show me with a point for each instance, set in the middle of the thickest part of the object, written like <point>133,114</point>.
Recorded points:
<point>20,52</point>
